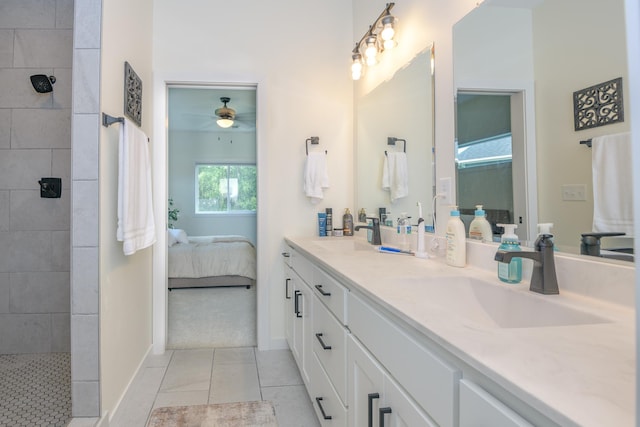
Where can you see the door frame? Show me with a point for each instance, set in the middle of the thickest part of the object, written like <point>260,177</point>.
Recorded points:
<point>160,179</point>
<point>523,95</point>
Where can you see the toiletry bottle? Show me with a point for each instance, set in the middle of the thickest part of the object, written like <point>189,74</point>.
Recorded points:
<point>545,229</point>
<point>347,222</point>
<point>362,215</point>
<point>456,240</point>
<point>480,229</point>
<point>404,229</point>
<point>329,212</point>
<point>512,272</point>
<point>322,224</point>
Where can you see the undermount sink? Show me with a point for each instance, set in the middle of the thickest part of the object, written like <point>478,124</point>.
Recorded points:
<point>341,244</point>
<point>497,305</point>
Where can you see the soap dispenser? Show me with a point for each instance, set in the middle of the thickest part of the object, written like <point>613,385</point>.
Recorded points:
<point>456,243</point>
<point>544,229</point>
<point>511,272</point>
<point>480,229</point>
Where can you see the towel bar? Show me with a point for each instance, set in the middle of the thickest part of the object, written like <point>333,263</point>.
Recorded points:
<point>586,142</point>
<point>108,120</point>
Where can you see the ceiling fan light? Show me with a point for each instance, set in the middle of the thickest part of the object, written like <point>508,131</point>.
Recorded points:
<point>224,122</point>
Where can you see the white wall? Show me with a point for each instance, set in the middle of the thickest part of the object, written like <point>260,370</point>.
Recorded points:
<point>298,53</point>
<point>563,65</point>
<point>125,282</point>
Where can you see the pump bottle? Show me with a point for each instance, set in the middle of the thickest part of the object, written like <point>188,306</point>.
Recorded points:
<point>512,272</point>
<point>456,243</point>
<point>480,229</point>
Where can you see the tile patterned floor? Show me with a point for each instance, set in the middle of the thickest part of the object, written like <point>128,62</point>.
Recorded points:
<point>202,376</point>
<point>35,390</point>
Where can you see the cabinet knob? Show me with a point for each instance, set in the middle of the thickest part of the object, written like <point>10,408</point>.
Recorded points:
<point>286,254</point>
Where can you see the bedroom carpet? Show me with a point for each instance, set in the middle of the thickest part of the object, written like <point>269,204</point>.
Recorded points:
<point>212,317</point>
<point>241,414</point>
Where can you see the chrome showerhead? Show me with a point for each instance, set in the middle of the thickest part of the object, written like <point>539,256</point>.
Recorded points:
<point>43,84</point>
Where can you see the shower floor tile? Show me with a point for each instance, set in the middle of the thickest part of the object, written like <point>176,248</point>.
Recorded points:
<point>35,389</point>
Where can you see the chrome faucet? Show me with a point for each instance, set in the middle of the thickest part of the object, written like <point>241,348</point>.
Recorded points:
<point>543,278</point>
<point>375,228</point>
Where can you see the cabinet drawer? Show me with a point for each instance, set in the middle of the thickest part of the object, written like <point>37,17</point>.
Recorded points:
<point>331,293</point>
<point>326,402</point>
<point>329,344</point>
<point>429,380</point>
<point>302,266</point>
<point>478,408</point>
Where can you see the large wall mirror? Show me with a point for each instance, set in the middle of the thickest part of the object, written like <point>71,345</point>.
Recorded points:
<point>400,108</point>
<point>516,68</point>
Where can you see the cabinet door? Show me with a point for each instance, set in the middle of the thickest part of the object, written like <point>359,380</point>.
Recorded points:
<point>288,304</point>
<point>400,410</point>
<point>365,385</point>
<point>480,409</point>
<point>301,325</point>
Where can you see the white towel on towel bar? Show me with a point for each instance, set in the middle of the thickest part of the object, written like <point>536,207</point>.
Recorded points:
<point>316,177</point>
<point>136,225</point>
<point>612,182</point>
<point>395,175</point>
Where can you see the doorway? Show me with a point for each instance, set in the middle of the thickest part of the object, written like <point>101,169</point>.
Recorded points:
<point>212,216</point>
<point>490,159</point>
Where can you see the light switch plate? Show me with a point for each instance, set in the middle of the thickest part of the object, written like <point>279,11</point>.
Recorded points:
<point>574,192</point>
<point>444,188</point>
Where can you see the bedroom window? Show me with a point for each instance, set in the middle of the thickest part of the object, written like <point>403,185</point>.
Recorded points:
<point>226,188</point>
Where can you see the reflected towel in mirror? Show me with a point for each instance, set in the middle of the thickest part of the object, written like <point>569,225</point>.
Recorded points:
<point>612,177</point>
<point>395,175</point>
<point>316,177</point>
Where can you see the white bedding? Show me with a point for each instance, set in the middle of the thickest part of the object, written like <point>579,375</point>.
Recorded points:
<point>207,256</point>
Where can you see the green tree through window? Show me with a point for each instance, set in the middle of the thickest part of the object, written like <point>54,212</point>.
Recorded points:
<point>226,188</point>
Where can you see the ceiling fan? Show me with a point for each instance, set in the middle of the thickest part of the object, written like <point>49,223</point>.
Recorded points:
<point>226,115</point>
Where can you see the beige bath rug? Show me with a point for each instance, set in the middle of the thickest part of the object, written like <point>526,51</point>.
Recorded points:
<point>240,414</point>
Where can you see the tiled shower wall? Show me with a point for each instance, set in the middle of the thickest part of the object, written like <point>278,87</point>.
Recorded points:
<point>35,141</point>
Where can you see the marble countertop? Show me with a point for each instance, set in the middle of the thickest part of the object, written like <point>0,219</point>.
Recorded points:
<point>582,375</point>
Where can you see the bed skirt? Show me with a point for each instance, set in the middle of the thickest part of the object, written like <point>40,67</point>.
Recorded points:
<point>208,282</point>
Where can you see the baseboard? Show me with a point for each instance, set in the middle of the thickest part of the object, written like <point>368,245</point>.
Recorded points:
<point>109,417</point>
<point>277,344</point>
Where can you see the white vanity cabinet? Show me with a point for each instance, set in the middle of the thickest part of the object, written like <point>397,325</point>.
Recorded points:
<point>478,408</point>
<point>431,381</point>
<point>375,398</point>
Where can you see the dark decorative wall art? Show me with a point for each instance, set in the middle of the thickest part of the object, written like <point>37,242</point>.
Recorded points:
<point>132,95</point>
<point>598,105</point>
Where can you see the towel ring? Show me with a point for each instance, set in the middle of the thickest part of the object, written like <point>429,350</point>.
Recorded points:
<point>314,140</point>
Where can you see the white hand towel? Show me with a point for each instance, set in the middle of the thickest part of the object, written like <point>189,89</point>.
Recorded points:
<point>136,225</point>
<point>395,175</point>
<point>315,176</point>
<point>612,181</point>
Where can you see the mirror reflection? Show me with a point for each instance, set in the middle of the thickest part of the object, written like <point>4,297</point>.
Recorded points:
<point>515,73</point>
<point>394,148</point>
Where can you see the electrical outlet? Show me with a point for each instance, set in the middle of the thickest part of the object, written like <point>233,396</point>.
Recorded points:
<point>574,192</point>
<point>444,188</point>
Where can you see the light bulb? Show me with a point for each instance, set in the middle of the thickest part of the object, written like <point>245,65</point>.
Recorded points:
<point>224,123</point>
<point>372,47</point>
<point>389,44</point>
<point>355,75</point>
<point>372,60</point>
<point>387,32</point>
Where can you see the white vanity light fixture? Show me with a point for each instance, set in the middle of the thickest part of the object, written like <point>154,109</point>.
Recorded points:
<point>379,37</point>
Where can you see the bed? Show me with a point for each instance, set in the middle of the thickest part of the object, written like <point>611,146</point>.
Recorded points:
<point>209,261</point>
